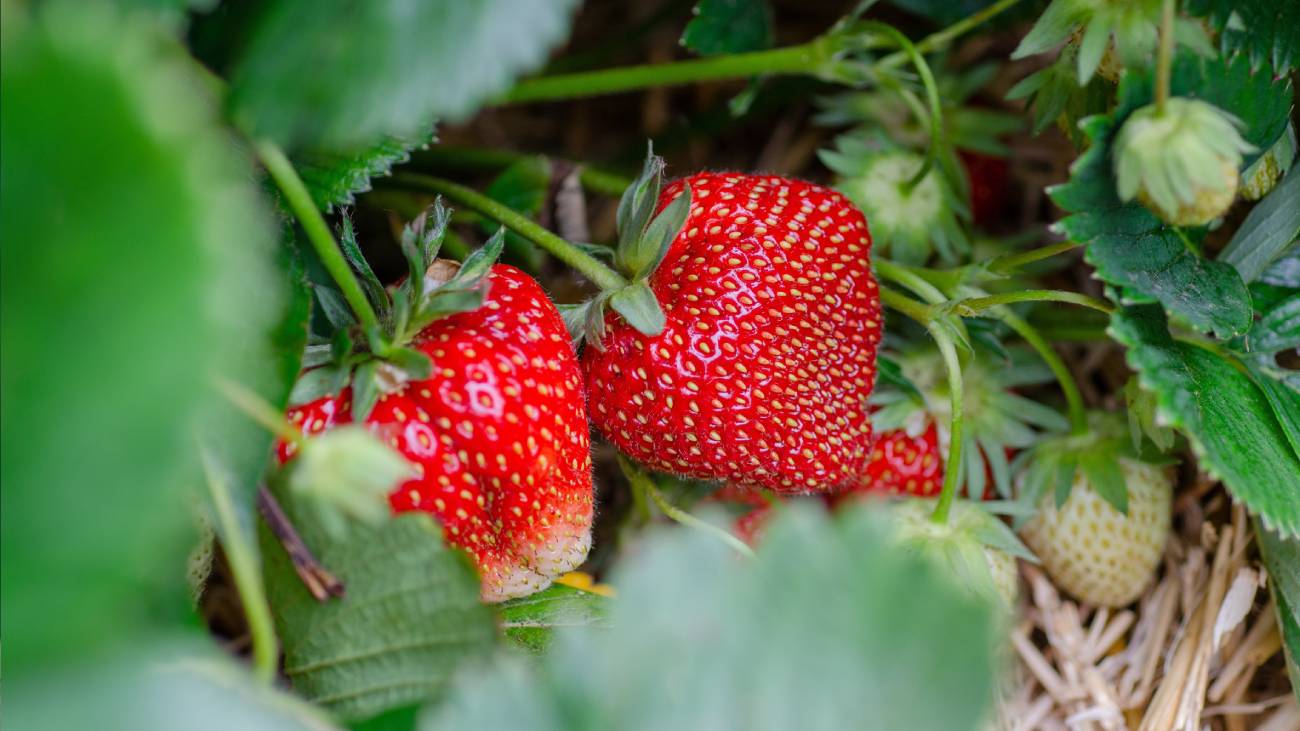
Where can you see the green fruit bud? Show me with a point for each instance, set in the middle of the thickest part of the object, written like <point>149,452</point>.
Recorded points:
<point>1181,162</point>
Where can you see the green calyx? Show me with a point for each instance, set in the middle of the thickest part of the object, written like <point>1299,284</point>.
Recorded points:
<point>909,219</point>
<point>913,392</point>
<point>1053,463</point>
<point>376,360</point>
<point>643,241</point>
<point>1093,28</point>
<point>1182,162</point>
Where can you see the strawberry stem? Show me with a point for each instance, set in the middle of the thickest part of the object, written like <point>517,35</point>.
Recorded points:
<point>590,267</point>
<point>1013,262</point>
<point>952,467</point>
<point>472,159</point>
<point>915,310</point>
<point>1073,398</point>
<point>1165,55</point>
<point>319,581</point>
<point>974,305</point>
<point>818,57</point>
<point>247,574</point>
<point>304,209</point>
<point>642,482</point>
<point>934,115</point>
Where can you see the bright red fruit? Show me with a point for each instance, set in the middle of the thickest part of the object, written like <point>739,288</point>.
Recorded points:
<point>902,464</point>
<point>498,434</point>
<point>762,371</point>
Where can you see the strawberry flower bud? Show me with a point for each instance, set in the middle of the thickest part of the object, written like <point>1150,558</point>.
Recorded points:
<point>1181,162</point>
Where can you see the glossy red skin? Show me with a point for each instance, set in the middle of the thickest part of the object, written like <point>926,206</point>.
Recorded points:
<point>902,464</point>
<point>762,372</point>
<point>498,435</point>
<point>989,177</point>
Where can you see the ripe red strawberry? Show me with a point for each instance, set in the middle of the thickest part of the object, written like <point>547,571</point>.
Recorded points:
<point>902,464</point>
<point>761,372</point>
<point>988,177</point>
<point>497,433</point>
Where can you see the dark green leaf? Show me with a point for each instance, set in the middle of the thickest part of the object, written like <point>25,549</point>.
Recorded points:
<point>729,26</point>
<point>1266,31</point>
<point>888,371</point>
<point>410,619</point>
<point>370,283</point>
<point>135,262</point>
<point>1103,473</point>
<point>333,305</point>
<point>318,383</point>
<point>341,75</point>
<point>830,627</point>
<point>1130,247</point>
<point>1278,328</point>
<point>637,304</point>
<point>1229,421</point>
<point>1272,226</point>
<point>335,178</point>
<point>532,621</point>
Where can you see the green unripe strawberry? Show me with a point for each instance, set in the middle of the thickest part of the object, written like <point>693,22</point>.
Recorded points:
<point>1180,161</point>
<point>1093,551</point>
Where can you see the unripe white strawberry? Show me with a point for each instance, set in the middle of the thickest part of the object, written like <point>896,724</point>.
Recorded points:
<point>1180,161</point>
<point>1091,550</point>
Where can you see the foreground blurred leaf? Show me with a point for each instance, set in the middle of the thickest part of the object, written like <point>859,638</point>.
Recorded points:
<point>828,628</point>
<point>1231,424</point>
<point>335,178</point>
<point>1129,246</point>
<point>410,619</point>
<point>161,687</point>
<point>531,621</point>
<point>126,214</point>
<point>340,75</point>
<point>729,26</point>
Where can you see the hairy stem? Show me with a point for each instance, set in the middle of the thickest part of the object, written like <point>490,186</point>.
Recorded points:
<point>641,481</point>
<point>911,308</point>
<point>952,468</point>
<point>322,240</point>
<point>590,267</point>
<point>943,37</point>
<point>1073,398</point>
<point>1012,262</point>
<point>247,573</point>
<point>935,112</point>
<point>1165,57</point>
<point>975,305</point>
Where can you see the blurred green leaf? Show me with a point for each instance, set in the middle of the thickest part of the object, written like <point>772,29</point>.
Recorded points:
<point>335,178</point>
<point>531,621</point>
<point>729,26</point>
<point>163,686</point>
<point>135,267</point>
<point>1266,31</point>
<point>410,619</point>
<point>1128,245</point>
<point>828,628</point>
<point>1229,421</point>
<point>340,75</point>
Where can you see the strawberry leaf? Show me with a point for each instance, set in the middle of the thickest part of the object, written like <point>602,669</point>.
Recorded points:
<point>341,76</point>
<point>1282,559</point>
<point>532,621</point>
<point>1265,31</point>
<point>728,26</point>
<point>771,635</point>
<point>410,619</point>
<point>1129,246</point>
<point>1268,230</point>
<point>335,178</point>
<point>1230,422</point>
<point>135,246</point>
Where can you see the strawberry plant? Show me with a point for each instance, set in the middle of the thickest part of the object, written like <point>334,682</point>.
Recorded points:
<point>728,364</point>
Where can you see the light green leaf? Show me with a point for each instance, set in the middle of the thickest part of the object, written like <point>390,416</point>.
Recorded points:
<point>1282,559</point>
<point>830,627</point>
<point>532,621</point>
<point>340,76</point>
<point>1229,421</point>
<point>729,26</point>
<point>410,619</point>
<point>125,216</point>
<point>637,304</point>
